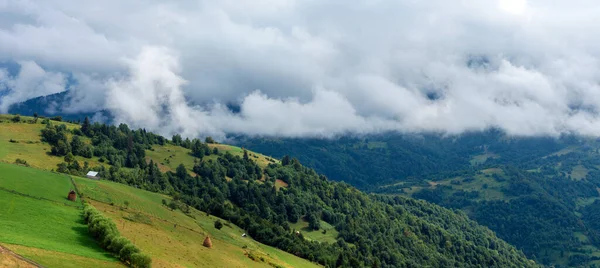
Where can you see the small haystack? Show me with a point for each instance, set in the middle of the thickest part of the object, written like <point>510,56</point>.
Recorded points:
<point>207,243</point>
<point>72,195</point>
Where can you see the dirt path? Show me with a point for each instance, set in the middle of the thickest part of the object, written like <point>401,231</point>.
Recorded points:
<point>11,259</point>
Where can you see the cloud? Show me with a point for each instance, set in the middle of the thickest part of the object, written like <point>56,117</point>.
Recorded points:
<point>31,81</point>
<point>315,68</point>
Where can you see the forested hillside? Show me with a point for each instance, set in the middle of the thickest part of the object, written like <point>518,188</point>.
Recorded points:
<point>371,230</point>
<point>538,193</point>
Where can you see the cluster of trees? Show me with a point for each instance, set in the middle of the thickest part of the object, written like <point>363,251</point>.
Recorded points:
<point>107,234</point>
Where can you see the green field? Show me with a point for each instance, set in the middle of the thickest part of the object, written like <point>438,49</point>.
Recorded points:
<point>36,214</point>
<point>35,182</point>
<point>169,156</point>
<point>329,237</point>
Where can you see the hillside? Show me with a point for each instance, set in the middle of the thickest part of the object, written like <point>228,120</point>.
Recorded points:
<point>266,199</point>
<point>537,193</point>
<point>41,225</point>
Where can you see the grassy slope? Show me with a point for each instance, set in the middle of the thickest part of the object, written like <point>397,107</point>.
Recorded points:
<point>44,219</point>
<point>157,231</point>
<point>329,237</point>
<point>28,146</point>
<point>228,242</point>
<point>168,157</point>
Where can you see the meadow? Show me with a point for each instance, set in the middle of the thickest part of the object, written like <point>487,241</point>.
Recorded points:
<point>23,141</point>
<point>169,156</point>
<point>35,216</point>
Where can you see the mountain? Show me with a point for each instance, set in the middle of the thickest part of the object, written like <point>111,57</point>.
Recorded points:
<point>277,203</point>
<point>51,105</point>
<point>537,193</point>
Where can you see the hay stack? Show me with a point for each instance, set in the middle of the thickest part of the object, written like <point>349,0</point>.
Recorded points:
<point>72,195</point>
<point>207,243</point>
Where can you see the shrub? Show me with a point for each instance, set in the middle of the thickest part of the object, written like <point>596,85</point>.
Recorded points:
<point>140,260</point>
<point>107,234</point>
<point>16,118</point>
<point>118,243</point>
<point>13,141</point>
<point>218,224</point>
<point>20,161</point>
<point>127,251</point>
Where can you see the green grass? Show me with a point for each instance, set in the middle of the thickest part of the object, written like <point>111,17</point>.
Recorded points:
<point>376,145</point>
<point>46,225</point>
<point>329,237</point>
<point>36,214</point>
<point>116,193</point>
<point>168,157</point>
<point>50,258</point>
<point>579,172</point>
<point>35,182</point>
<point>482,158</point>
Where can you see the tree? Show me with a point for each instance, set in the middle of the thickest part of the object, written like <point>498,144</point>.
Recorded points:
<point>164,202</point>
<point>61,148</point>
<point>77,145</point>
<point>314,222</point>
<point>285,160</point>
<point>85,127</point>
<point>218,224</point>
<point>209,140</point>
<point>69,158</point>
<point>140,260</point>
<point>181,171</point>
<point>172,205</point>
<point>16,118</point>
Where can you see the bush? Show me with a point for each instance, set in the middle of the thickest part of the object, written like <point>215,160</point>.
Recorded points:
<point>218,224</point>
<point>13,141</point>
<point>127,251</point>
<point>16,118</point>
<point>140,260</point>
<point>107,234</point>
<point>20,161</point>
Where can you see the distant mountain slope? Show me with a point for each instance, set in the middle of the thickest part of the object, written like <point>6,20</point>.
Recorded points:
<point>538,193</point>
<point>51,105</point>
<point>265,201</point>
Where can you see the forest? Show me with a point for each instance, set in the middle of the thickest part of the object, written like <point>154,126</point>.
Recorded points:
<point>537,193</point>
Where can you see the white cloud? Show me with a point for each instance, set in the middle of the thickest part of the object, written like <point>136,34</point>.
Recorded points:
<point>318,68</point>
<point>31,81</point>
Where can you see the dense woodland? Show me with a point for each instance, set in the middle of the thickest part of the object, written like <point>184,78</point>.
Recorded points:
<point>374,230</point>
<point>543,199</point>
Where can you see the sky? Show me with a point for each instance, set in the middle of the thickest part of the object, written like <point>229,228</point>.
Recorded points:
<point>308,68</point>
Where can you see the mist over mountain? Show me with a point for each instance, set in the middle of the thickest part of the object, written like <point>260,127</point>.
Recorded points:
<point>310,69</point>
